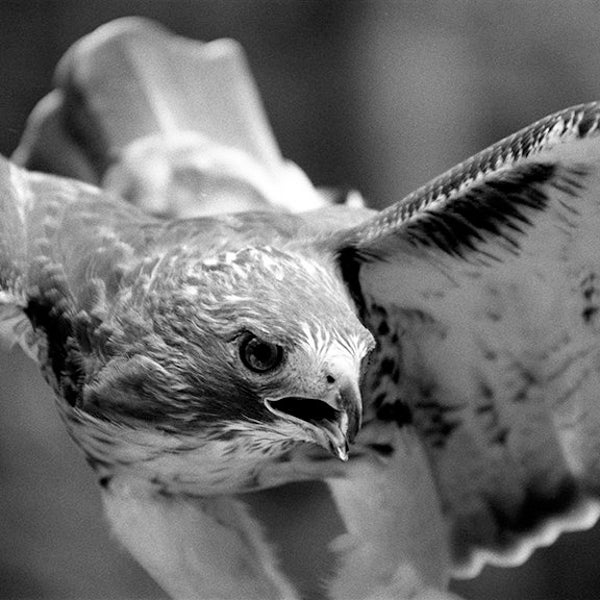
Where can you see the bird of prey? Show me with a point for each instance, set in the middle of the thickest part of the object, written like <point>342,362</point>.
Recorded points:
<point>435,365</point>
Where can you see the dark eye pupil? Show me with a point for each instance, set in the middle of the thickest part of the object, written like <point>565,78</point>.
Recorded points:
<point>260,356</point>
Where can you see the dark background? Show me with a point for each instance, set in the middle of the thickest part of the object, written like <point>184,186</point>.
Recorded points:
<point>377,95</point>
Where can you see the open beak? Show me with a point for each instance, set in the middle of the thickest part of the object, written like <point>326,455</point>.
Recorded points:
<point>332,421</point>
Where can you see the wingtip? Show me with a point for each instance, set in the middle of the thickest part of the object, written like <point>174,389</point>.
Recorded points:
<point>138,78</point>
<point>582,515</point>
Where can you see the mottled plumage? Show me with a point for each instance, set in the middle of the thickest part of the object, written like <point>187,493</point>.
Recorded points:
<point>449,344</point>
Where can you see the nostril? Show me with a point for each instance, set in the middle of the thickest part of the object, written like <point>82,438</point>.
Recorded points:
<point>330,379</point>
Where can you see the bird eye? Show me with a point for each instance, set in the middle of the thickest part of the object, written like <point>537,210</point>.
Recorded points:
<point>260,356</point>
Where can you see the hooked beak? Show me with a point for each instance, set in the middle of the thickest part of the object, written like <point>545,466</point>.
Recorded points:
<point>332,422</point>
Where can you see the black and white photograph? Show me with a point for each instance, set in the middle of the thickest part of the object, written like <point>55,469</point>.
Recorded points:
<point>299,300</point>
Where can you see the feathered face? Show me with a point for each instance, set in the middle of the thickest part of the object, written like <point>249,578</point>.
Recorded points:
<point>258,343</point>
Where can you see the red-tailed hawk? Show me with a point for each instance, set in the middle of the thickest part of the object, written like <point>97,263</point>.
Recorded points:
<point>436,364</point>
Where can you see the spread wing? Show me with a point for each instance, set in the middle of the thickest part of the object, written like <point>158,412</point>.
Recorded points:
<point>171,124</point>
<point>483,290</point>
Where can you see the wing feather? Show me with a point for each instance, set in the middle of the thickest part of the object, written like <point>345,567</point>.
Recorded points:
<point>150,115</point>
<point>391,548</point>
<point>198,547</point>
<point>483,291</point>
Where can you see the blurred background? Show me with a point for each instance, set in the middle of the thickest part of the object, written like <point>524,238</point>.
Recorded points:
<point>376,95</point>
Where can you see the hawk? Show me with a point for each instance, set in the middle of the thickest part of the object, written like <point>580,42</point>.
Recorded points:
<point>434,365</point>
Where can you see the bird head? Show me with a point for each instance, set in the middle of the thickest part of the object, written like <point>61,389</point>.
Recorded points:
<point>257,344</point>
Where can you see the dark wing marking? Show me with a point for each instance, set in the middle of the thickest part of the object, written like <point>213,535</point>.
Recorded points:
<point>483,289</point>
